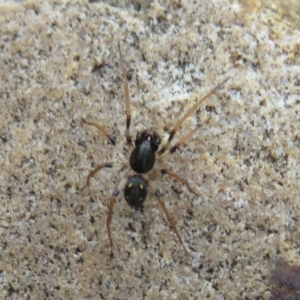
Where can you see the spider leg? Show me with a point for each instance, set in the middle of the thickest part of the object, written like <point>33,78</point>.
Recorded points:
<point>102,130</point>
<point>187,114</point>
<point>97,169</point>
<point>109,218</point>
<point>110,213</point>
<point>127,99</point>
<point>178,178</point>
<point>187,136</point>
<point>163,206</point>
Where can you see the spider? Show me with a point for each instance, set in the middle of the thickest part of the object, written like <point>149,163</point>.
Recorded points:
<point>142,158</point>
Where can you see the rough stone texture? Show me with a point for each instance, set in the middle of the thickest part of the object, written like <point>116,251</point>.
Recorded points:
<point>59,63</point>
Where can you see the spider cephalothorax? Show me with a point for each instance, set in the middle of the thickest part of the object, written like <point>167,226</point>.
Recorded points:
<point>142,157</point>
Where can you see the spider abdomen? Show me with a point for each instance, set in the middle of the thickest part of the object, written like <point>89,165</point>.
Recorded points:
<point>135,191</point>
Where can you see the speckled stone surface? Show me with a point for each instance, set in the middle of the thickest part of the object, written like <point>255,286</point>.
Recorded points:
<point>59,63</point>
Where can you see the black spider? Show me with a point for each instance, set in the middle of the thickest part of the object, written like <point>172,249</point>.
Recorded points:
<point>142,158</point>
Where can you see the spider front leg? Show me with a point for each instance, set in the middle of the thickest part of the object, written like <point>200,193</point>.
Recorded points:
<point>127,98</point>
<point>163,206</point>
<point>187,136</point>
<point>188,113</point>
